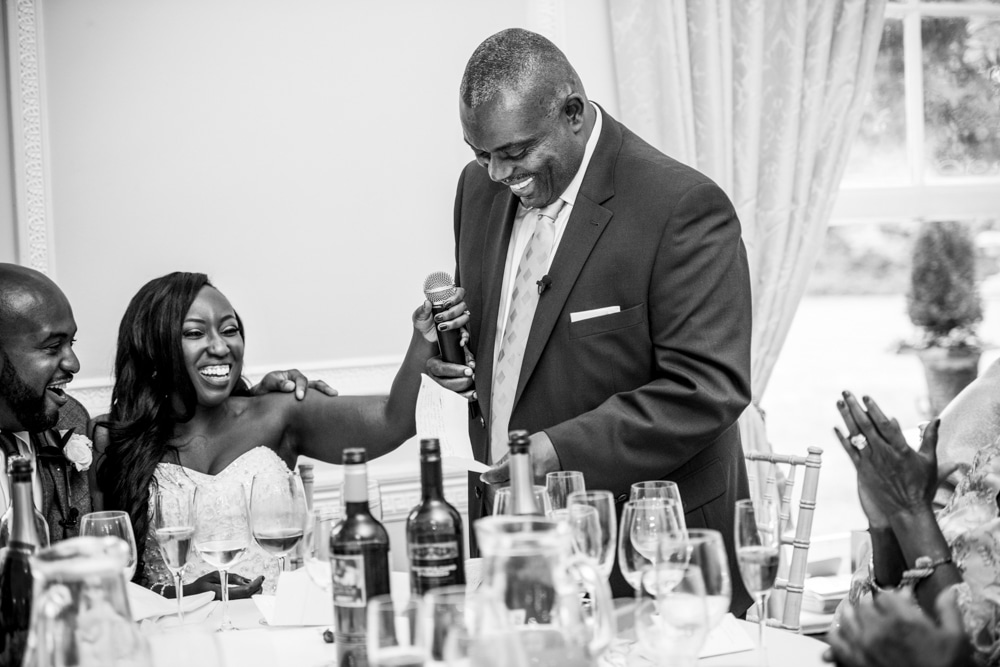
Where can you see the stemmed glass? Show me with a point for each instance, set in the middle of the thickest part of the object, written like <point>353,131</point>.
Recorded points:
<point>707,551</point>
<point>758,542</point>
<point>660,488</point>
<point>114,524</point>
<point>501,500</point>
<point>644,523</point>
<point>603,503</point>
<point>222,532</point>
<point>316,558</point>
<point>671,618</point>
<point>173,525</point>
<point>561,483</point>
<point>277,512</point>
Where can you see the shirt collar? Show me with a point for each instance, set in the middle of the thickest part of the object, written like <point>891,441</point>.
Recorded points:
<point>573,189</point>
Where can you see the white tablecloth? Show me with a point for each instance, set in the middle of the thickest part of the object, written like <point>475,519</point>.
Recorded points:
<point>257,645</point>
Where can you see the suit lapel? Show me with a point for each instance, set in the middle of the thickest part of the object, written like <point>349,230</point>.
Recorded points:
<point>498,231</point>
<point>586,223</point>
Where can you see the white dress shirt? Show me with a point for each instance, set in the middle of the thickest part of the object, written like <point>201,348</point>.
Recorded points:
<point>524,227</point>
<point>27,451</point>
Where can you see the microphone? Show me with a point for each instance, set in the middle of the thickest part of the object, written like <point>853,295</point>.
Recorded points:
<point>439,288</point>
<point>544,283</point>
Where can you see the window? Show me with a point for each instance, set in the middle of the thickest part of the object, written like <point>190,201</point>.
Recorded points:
<point>928,148</point>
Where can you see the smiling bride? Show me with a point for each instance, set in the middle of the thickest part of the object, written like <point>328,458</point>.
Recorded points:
<point>182,415</point>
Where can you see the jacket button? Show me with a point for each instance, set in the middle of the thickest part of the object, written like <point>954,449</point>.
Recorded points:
<point>479,493</point>
<point>482,422</point>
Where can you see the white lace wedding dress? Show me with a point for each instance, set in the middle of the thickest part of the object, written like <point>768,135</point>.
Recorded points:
<point>256,562</point>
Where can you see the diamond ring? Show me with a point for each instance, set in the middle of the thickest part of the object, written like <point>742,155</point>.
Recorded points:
<point>859,441</point>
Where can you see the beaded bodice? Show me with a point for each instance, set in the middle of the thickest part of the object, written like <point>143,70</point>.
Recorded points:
<point>170,476</point>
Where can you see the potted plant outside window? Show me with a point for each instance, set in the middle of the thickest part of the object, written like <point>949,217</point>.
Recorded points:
<point>944,302</point>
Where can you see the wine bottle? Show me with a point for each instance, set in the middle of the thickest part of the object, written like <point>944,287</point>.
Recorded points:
<point>522,477</point>
<point>15,571</point>
<point>359,548</point>
<point>434,529</point>
<point>41,525</point>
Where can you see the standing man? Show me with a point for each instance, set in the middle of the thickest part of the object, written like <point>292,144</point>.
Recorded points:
<point>609,293</point>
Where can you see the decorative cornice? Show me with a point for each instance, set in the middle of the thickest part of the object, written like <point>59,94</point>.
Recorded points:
<point>28,136</point>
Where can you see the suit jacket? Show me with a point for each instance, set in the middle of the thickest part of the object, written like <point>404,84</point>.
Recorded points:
<point>650,392</point>
<point>65,490</point>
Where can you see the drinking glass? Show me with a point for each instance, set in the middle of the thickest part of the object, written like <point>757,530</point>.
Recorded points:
<point>374,498</point>
<point>660,488</point>
<point>222,532</point>
<point>585,527</point>
<point>604,503</point>
<point>114,524</point>
<point>173,526</point>
<point>559,484</point>
<point>316,558</point>
<point>671,617</point>
<point>277,512</point>
<point>447,632</point>
<point>501,500</point>
<point>644,523</point>
<point>707,551</point>
<point>758,536</point>
<point>395,632</point>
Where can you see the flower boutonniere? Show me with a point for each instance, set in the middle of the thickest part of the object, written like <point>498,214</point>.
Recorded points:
<point>78,450</point>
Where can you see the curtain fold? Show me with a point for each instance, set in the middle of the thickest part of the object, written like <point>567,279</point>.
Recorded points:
<point>765,97</point>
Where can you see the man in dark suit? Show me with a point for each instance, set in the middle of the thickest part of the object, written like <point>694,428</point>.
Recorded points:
<point>636,360</point>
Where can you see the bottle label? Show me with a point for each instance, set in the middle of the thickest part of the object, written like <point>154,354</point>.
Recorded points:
<point>436,561</point>
<point>349,581</point>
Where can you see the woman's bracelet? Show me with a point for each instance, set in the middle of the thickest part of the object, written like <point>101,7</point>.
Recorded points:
<point>923,568</point>
<point>158,591</point>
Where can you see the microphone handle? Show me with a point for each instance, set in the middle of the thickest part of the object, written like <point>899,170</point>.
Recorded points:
<point>450,341</point>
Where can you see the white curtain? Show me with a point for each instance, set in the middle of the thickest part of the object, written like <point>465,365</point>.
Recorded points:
<point>765,97</point>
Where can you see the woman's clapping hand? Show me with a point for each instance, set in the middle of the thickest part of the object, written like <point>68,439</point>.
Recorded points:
<point>892,477</point>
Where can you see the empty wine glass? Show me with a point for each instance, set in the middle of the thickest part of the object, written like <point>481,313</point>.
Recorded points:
<point>113,524</point>
<point>758,541</point>
<point>501,500</point>
<point>604,504</point>
<point>644,523</point>
<point>561,483</point>
<point>708,552</point>
<point>316,555</point>
<point>659,488</point>
<point>222,532</point>
<point>671,618</point>
<point>395,632</point>
<point>585,528</point>
<point>173,527</point>
<point>277,512</point>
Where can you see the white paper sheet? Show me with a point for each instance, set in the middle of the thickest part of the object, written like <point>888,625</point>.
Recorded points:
<point>444,415</point>
<point>297,601</point>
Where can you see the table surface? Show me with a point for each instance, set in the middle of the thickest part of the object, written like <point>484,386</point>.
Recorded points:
<point>257,644</point>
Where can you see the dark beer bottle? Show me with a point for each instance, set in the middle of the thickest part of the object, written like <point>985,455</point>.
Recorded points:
<point>434,529</point>
<point>359,548</point>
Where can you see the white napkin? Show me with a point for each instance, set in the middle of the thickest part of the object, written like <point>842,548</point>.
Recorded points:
<point>149,606</point>
<point>297,601</point>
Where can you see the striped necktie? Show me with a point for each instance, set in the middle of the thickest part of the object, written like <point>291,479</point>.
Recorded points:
<point>523,301</point>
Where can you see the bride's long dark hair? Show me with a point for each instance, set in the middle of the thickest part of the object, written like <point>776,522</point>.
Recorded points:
<point>149,372</point>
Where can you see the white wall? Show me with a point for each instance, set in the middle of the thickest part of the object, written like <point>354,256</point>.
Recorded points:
<point>304,154</point>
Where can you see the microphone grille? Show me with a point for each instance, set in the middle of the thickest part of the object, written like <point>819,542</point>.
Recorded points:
<point>439,287</point>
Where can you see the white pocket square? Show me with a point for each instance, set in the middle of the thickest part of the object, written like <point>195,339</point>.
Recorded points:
<point>596,312</point>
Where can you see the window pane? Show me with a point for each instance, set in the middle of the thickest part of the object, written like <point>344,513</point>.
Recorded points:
<point>962,96</point>
<point>878,156</point>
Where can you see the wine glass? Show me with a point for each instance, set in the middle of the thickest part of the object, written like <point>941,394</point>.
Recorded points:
<point>603,503</point>
<point>644,523</point>
<point>115,524</point>
<point>316,557</point>
<point>561,483</point>
<point>758,540</point>
<point>660,488</point>
<point>502,505</point>
<point>671,617</point>
<point>395,632</point>
<point>222,532</point>
<point>173,526</point>
<point>277,512</point>
<point>707,551</point>
<point>446,629</point>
